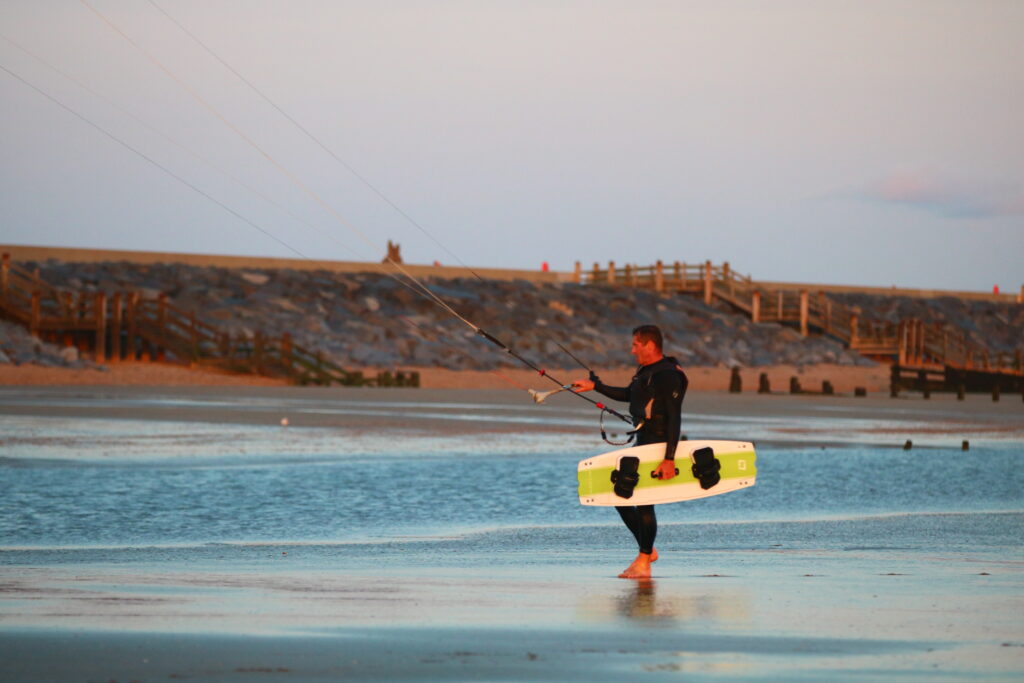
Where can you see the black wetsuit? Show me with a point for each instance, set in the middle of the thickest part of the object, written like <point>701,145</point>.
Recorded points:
<point>655,397</point>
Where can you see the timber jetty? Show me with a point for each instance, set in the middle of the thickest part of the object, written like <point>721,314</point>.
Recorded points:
<point>220,310</point>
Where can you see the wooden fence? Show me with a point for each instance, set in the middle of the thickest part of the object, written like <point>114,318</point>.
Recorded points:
<point>126,326</point>
<point>802,309</point>
<point>910,344</point>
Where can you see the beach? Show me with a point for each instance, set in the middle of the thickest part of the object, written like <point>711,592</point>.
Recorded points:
<point>285,533</point>
<point>844,378</point>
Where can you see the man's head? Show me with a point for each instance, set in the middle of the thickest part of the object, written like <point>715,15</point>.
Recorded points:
<point>647,342</point>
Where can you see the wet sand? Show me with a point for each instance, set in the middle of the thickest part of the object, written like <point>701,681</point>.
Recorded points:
<point>844,378</point>
<point>454,412</point>
<point>739,613</point>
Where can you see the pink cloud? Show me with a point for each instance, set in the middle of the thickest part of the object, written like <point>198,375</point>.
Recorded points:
<point>930,192</point>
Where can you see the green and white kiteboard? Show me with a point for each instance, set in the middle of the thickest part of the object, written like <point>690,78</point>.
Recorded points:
<point>736,469</point>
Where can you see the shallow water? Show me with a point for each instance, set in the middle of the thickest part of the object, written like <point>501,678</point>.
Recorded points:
<point>98,481</point>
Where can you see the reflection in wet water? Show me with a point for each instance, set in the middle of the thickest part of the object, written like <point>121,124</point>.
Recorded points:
<point>650,603</point>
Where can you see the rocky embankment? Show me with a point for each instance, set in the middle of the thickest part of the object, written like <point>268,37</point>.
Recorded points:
<point>989,324</point>
<point>18,347</point>
<point>375,320</point>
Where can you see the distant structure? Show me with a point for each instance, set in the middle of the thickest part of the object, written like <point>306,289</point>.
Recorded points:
<point>394,253</point>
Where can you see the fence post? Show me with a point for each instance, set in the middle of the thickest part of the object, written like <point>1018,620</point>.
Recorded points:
<point>755,306</point>
<point>195,336</point>
<point>707,283</point>
<point>5,273</point>
<point>920,341</point>
<point>161,316</point>
<point>659,276</point>
<point>678,279</point>
<point>804,310</point>
<point>162,320</point>
<point>594,274</point>
<point>258,353</point>
<point>286,352</point>
<point>133,330</point>
<point>577,273</point>
<point>33,325</point>
<point>611,272</point>
<point>67,303</point>
<point>100,319</point>
<point>82,303</point>
<point>901,343</point>
<point>115,324</point>
<point>912,341</point>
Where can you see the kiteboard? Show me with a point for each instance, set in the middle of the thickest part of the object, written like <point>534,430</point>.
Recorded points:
<point>705,468</point>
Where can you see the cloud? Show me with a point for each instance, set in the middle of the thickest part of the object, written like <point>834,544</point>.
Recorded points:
<point>927,191</point>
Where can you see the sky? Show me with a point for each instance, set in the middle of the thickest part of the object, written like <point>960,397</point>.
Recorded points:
<point>870,142</point>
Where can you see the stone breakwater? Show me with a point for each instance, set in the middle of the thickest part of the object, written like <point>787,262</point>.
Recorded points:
<point>372,320</point>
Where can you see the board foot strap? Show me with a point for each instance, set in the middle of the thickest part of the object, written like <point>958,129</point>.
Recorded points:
<point>627,476</point>
<point>706,467</point>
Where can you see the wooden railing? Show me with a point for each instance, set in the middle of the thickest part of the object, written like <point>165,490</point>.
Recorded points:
<point>939,345</point>
<point>909,343</point>
<point>126,326</point>
<point>659,277</point>
<point>41,307</point>
<point>802,309</point>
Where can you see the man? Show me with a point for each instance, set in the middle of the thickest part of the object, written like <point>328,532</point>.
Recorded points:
<point>655,396</point>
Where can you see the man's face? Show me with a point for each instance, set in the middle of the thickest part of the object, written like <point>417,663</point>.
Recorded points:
<point>643,351</point>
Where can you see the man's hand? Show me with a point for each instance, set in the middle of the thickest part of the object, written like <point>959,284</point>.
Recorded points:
<point>582,385</point>
<point>666,469</point>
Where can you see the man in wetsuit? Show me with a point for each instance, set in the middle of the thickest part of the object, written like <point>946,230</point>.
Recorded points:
<point>655,397</point>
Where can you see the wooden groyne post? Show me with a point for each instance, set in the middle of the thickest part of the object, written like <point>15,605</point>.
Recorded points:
<point>5,274</point>
<point>100,317</point>
<point>116,307</point>
<point>708,282</point>
<point>804,312</point>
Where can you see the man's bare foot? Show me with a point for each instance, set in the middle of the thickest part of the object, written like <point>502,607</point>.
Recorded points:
<point>640,569</point>
<point>654,554</point>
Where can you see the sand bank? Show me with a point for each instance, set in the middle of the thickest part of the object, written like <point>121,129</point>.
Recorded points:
<point>844,378</point>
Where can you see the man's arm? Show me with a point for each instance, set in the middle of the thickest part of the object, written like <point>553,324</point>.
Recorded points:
<point>614,393</point>
<point>670,389</point>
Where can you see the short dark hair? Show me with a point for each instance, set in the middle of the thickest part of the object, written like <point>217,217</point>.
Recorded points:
<point>649,333</point>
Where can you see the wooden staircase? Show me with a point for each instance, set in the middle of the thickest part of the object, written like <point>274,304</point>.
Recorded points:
<point>919,353</point>
<point>817,313</point>
<point>125,326</point>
